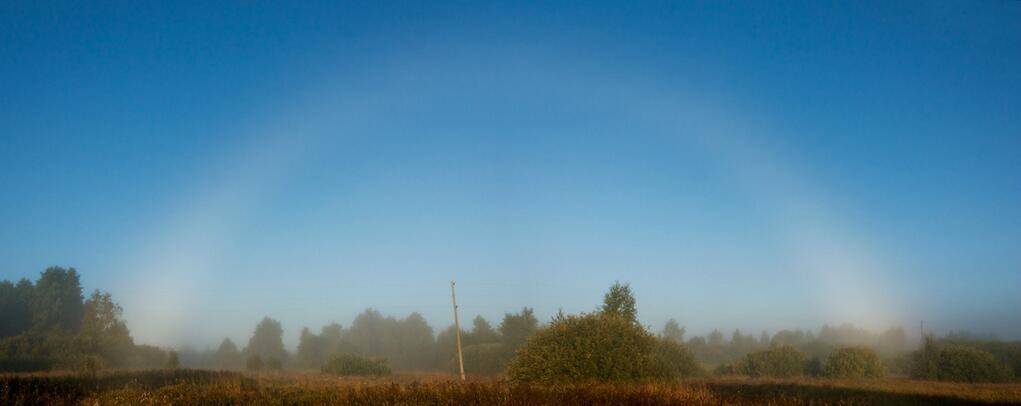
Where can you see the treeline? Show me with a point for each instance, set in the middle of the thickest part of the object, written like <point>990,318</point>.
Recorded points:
<point>49,324</point>
<point>406,344</point>
<point>716,349</point>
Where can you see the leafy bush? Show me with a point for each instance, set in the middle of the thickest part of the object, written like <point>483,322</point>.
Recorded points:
<point>349,364</point>
<point>854,362</point>
<point>484,359</point>
<point>274,364</point>
<point>675,359</point>
<point>780,362</point>
<point>957,363</point>
<point>588,347</point>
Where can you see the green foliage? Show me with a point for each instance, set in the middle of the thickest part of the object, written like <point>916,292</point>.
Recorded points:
<point>957,363</point>
<point>483,359</point>
<point>353,365</point>
<point>274,364</point>
<point>620,302</point>
<point>596,347</point>
<point>57,302</point>
<point>103,332</point>
<point>780,362</point>
<point>675,360</point>
<point>854,362</point>
<point>268,340</point>
<point>673,331</point>
<point>515,329</point>
<point>254,363</point>
<point>407,344</point>
<point>15,307</point>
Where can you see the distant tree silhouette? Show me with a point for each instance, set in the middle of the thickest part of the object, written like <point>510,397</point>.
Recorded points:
<point>227,355</point>
<point>267,341</point>
<point>673,331</point>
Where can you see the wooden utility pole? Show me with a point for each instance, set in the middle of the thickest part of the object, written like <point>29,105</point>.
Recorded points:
<point>457,327</point>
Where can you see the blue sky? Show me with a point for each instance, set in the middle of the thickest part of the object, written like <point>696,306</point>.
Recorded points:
<point>744,165</point>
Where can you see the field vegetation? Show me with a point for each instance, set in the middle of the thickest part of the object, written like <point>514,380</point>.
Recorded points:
<point>59,348</point>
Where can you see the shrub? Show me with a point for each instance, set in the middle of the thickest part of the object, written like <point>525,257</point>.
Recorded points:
<point>957,363</point>
<point>675,359</point>
<point>254,363</point>
<point>587,347</point>
<point>484,359</point>
<point>780,362</point>
<point>274,364</point>
<point>349,364</point>
<point>854,362</point>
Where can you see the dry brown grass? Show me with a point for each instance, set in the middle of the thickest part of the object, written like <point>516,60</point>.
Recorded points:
<point>226,388</point>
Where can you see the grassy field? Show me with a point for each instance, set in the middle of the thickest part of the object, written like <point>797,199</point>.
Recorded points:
<point>216,387</point>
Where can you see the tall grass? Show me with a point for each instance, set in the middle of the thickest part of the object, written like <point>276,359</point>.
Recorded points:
<point>229,388</point>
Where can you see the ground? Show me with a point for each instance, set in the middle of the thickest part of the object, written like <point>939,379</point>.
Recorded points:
<point>223,387</point>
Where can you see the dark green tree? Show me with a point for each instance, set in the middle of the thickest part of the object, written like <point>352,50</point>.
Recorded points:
<point>15,307</point>
<point>516,328</point>
<point>57,302</point>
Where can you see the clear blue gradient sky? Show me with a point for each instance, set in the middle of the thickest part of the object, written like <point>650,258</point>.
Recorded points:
<point>748,165</point>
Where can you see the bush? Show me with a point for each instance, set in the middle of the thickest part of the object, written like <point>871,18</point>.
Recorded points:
<point>780,362</point>
<point>957,363</point>
<point>588,347</point>
<point>675,359</point>
<point>854,362</point>
<point>349,364</point>
<point>483,359</point>
<point>254,363</point>
<point>274,364</point>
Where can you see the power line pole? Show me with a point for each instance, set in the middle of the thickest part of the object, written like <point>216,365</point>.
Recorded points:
<point>457,327</point>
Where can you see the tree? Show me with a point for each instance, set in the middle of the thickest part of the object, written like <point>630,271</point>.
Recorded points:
<point>267,342</point>
<point>310,349</point>
<point>415,343</point>
<point>620,302</point>
<point>482,332</point>
<point>227,355</point>
<point>673,331</point>
<point>516,328</point>
<point>103,333</point>
<point>15,307</point>
<point>333,341</point>
<point>57,302</point>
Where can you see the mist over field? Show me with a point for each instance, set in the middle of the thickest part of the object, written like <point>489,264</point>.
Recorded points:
<point>857,166</point>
